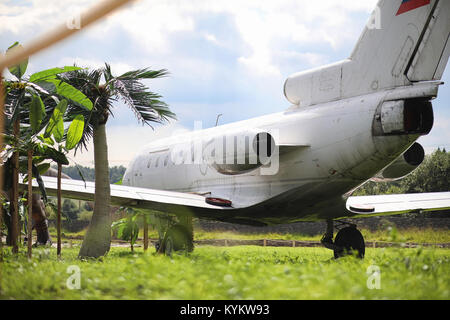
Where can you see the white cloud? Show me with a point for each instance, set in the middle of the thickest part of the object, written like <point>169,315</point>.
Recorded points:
<point>80,62</point>
<point>263,23</point>
<point>36,16</point>
<point>260,24</point>
<point>117,67</point>
<point>150,23</point>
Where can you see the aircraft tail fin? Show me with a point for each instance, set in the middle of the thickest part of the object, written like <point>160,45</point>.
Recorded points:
<point>405,41</point>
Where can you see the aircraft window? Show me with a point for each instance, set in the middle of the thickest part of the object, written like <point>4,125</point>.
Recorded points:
<point>157,162</point>
<point>181,157</point>
<point>149,164</point>
<point>166,161</point>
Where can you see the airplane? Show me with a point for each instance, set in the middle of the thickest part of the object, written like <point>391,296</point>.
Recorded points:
<point>348,122</point>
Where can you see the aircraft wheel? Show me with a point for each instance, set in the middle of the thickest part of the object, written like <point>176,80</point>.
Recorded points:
<point>178,238</point>
<point>168,246</point>
<point>349,241</point>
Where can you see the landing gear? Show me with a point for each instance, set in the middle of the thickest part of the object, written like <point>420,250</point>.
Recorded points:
<point>176,234</point>
<point>348,241</point>
<point>177,238</point>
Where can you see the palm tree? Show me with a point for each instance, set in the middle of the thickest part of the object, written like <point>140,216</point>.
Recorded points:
<point>147,108</point>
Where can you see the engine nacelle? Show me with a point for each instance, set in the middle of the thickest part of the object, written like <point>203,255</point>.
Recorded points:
<point>404,117</point>
<point>404,165</point>
<point>315,86</point>
<point>240,153</point>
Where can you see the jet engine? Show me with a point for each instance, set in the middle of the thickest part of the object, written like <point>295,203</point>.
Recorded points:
<point>404,165</point>
<point>240,153</point>
<point>404,117</point>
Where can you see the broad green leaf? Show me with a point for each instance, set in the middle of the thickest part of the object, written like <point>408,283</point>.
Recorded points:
<point>46,140</point>
<point>47,86</point>
<point>50,73</point>
<point>67,91</point>
<point>56,124</point>
<point>58,131</point>
<point>42,168</point>
<point>75,132</point>
<point>55,155</point>
<point>118,223</point>
<point>37,113</point>
<point>18,70</point>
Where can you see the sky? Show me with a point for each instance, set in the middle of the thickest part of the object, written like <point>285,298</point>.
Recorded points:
<point>228,57</point>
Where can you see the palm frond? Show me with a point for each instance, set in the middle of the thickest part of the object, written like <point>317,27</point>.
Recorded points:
<point>145,73</point>
<point>146,105</point>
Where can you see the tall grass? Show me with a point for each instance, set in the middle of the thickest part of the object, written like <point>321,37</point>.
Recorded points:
<point>389,234</point>
<point>230,273</point>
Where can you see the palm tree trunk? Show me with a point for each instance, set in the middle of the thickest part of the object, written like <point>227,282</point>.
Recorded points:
<point>1,223</point>
<point>15,194</point>
<point>2,120</point>
<point>97,241</point>
<point>30,202</point>
<point>58,220</point>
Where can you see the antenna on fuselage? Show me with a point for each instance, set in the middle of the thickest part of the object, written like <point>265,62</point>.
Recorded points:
<point>217,120</point>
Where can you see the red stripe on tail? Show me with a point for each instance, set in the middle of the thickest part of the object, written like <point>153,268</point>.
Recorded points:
<point>411,5</point>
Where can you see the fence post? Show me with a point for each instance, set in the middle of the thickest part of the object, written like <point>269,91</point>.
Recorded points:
<point>145,233</point>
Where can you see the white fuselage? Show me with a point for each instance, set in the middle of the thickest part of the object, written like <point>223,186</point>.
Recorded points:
<point>337,152</point>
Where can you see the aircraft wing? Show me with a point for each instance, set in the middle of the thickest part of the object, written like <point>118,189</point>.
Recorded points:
<point>139,198</point>
<point>398,203</point>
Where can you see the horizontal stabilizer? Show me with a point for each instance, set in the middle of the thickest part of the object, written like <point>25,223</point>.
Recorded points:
<point>398,203</point>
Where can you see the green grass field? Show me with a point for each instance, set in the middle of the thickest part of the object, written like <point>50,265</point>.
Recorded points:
<point>416,235</point>
<point>229,274</point>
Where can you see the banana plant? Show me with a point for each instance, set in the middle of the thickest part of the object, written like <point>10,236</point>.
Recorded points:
<point>128,228</point>
<point>34,113</point>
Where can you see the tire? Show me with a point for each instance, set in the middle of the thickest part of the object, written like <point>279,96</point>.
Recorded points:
<point>349,240</point>
<point>178,239</point>
<point>169,246</point>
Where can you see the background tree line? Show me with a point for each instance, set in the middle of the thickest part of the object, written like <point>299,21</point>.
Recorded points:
<point>77,210</point>
<point>433,175</point>
<point>75,172</point>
